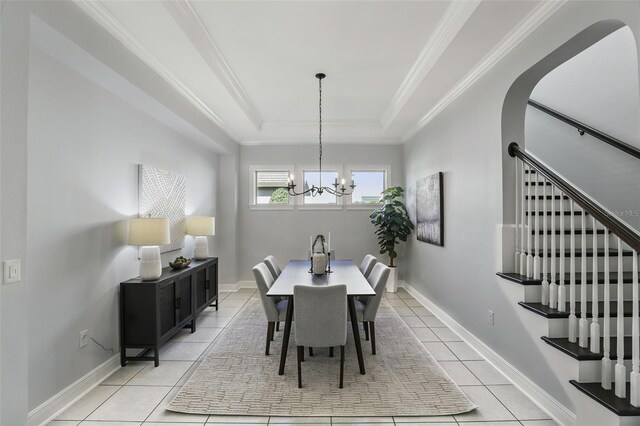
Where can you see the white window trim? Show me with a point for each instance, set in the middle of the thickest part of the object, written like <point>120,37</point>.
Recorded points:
<point>314,168</point>
<point>253,205</point>
<point>350,168</point>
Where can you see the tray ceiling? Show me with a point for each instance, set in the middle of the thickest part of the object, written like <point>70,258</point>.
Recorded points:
<point>390,65</point>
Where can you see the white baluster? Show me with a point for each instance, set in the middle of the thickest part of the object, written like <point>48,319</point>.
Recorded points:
<point>530,228</point>
<point>606,359</point>
<point>545,282</point>
<point>584,323</point>
<point>621,370</point>
<point>595,327</point>
<point>573,320</point>
<point>516,259</point>
<point>562,291</point>
<point>553,287</point>
<point>635,338</point>
<point>523,254</point>
<point>536,235</point>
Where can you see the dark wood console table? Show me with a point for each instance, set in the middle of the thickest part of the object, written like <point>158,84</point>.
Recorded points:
<point>151,312</point>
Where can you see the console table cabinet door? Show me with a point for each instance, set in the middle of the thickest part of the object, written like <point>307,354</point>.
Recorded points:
<point>167,307</point>
<point>141,323</point>
<point>201,289</point>
<point>184,305</point>
<point>212,284</point>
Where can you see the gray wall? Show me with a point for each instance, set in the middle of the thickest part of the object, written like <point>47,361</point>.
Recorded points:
<point>13,221</point>
<point>84,147</point>
<point>285,234</point>
<point>466,143</point>
<point>600,88</point>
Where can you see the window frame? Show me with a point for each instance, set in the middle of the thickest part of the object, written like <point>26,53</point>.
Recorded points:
<point>314,168</point>
<point>253,187</point>
<point>386,168</point>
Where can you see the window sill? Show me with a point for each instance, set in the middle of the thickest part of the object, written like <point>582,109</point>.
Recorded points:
<point>320,207</point>
<point>270,207</point>
<point>370,207</point>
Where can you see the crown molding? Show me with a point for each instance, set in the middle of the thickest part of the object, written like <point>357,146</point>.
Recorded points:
<point>334,131</point>
<point>533,20</point>
<point>372,125</point>
<point>298,140</point>
<point>109,22</point>
<point>192,25</point>
<point>454,18</point>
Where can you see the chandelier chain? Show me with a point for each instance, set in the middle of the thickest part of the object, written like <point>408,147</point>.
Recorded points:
<point>320,134</point>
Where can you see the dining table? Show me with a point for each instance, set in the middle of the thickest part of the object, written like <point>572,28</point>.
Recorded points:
<point>298,272</point>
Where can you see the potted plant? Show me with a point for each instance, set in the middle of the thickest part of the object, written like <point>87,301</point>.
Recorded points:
<point>393,225</point>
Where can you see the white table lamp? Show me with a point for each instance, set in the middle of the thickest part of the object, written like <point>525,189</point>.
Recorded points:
<point>149,233</point>
<point>200,227</point>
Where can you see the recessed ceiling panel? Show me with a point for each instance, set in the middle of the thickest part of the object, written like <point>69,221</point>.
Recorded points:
<point>365,48</point>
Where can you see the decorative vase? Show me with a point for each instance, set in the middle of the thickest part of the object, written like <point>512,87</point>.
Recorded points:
<point>392,281</point>
<point>319,263</point>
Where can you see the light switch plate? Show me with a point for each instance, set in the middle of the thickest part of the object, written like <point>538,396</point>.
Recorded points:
<point>11,271</point>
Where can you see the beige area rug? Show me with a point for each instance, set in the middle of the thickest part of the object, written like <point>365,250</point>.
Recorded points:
<point>236,378</point>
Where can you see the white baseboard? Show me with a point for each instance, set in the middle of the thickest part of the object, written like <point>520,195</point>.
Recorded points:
<point>237,286</point>
<point>55,405</point>
<point>546,402</point>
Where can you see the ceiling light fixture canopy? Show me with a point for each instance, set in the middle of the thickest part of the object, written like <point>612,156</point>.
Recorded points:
<point>338,190</point>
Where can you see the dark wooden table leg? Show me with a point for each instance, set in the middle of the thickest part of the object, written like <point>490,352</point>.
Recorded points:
<point>356,332</point>
<point>287,332</point>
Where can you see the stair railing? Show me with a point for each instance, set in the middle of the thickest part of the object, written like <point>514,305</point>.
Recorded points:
<point>584,128</point>
<point>532,257</point>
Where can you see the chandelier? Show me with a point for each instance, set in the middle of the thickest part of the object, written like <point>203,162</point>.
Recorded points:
<point>338,190</point>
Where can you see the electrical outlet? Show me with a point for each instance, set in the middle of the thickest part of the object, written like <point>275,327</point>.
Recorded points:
<point>84,339</point>
<point>490,318</point>
<point>11,271</point>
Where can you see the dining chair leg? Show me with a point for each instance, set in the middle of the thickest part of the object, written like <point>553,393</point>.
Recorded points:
<point>278,326</point>
<point>300,356</point>
<point>366,330</point>
<point>310,351</point>
<point>341,365</point>
<point>331,351</point>
<point>270,326</point>
<point>373,336</point>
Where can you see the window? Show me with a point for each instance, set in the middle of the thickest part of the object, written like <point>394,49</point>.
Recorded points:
<point>310,178</point>
<point>269,186</point>
<point>370,183</point>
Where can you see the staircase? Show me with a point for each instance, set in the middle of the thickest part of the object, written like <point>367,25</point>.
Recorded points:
<point>578,268</point>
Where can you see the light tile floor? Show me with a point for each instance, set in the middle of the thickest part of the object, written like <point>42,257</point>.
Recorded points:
<point>136,394</point>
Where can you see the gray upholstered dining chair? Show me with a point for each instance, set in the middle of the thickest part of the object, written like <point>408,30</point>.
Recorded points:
<point>367,265</point>
<point>320,320</point>
<point>273,266</point>
<point>275,310</point>
<point>366,311</point>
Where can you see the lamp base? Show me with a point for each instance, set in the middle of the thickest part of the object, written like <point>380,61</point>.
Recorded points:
<point>150,264</point>
<point>201,251</point>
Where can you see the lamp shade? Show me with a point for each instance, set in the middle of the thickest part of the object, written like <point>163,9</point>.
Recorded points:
<point>147,231</point>
<point>201,225</point>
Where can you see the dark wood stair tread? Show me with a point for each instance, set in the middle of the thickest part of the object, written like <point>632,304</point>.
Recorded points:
<point>589,252</point>
<point>539,183</point>
<point>566,213</point>
<point>578,231</point>
<point>548,197</point>
<point>584,354</point>
<point>548,312</point>
<point>608,398</point>
<point>627,277</point>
